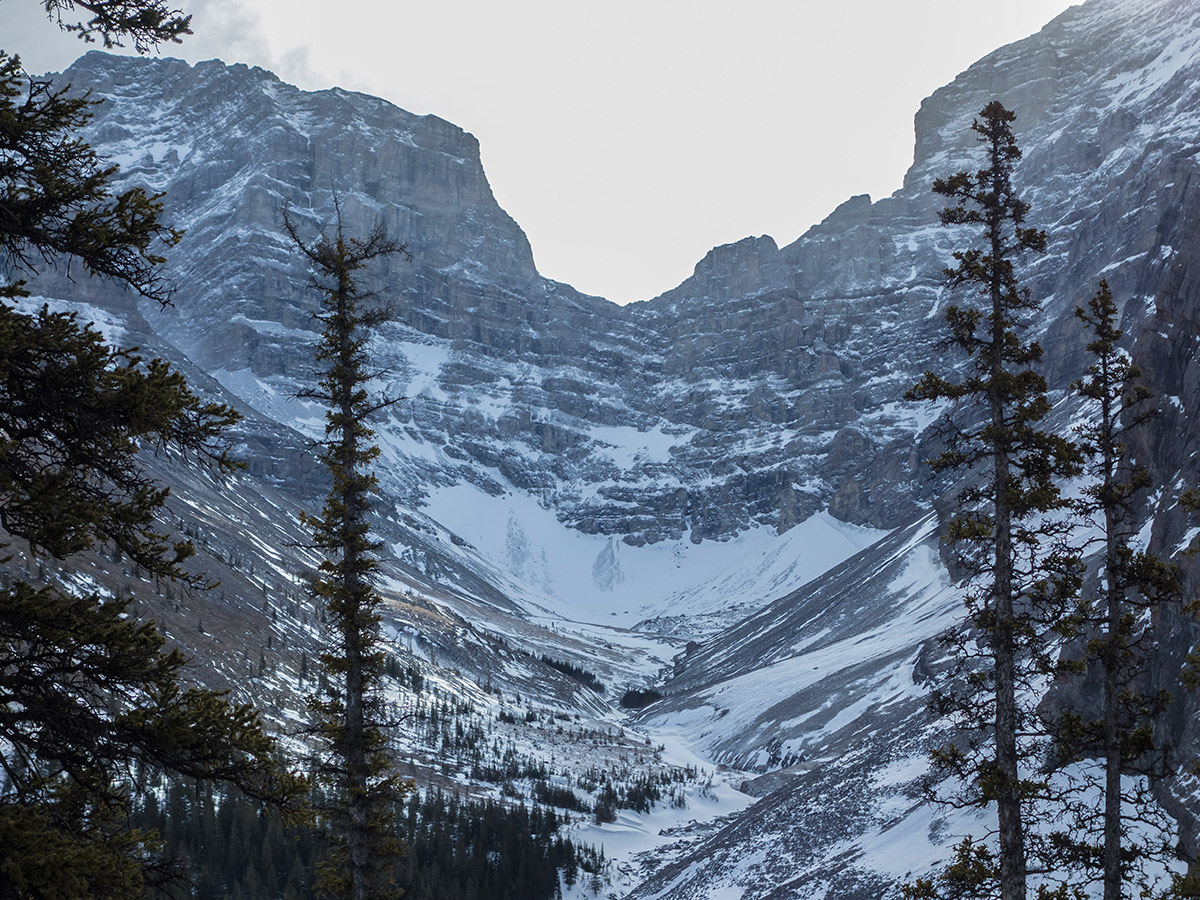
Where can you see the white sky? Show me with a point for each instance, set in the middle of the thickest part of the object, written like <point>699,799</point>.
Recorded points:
<point>627,137</point>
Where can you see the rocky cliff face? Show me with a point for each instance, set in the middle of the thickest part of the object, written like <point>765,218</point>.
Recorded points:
<point>774,375</point>
<point>532,378</point>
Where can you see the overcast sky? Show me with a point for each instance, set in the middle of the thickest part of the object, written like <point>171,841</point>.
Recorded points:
<point>627,137</point>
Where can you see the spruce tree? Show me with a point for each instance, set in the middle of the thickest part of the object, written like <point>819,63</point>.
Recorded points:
<point>57,205</point>
<point>363,783</point>
<point>1131,583</point>
<point>145,23</point>
<point>1012,467</point>
<point>89,698</point>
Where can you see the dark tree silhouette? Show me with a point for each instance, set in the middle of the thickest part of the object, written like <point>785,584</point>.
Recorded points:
<point>362,780</point>
<point>1127,833</point>
<point>1013,467</point>
<point>88,696</point>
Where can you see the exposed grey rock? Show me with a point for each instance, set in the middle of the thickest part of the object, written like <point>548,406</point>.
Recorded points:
<point>758,361</point>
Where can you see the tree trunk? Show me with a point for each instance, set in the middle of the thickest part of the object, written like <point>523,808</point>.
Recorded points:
<point>1111,663</point>
<point>1008,794</point>
<point>358,837</point>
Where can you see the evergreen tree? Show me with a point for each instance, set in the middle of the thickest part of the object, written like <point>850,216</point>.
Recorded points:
<point>88,696</point>
<point>56,199</point>
<point>146,23</point>
<point>74,413</point>
<point>1132,582</point>
<point>1012,467</point>
<point>361,776</point>
<point>472,849</point>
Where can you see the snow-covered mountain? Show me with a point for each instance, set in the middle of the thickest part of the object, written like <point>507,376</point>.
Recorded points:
<point>719,491</point>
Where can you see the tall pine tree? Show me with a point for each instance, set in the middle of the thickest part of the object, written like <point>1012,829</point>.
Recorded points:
<point>362,779</point>
<point>1012,467</point>
<point>1120,839</point>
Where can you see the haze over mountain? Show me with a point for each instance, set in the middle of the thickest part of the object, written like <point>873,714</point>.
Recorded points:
<point>730,464</point>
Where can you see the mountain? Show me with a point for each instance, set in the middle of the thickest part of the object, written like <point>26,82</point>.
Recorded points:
<point>719,492</point>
